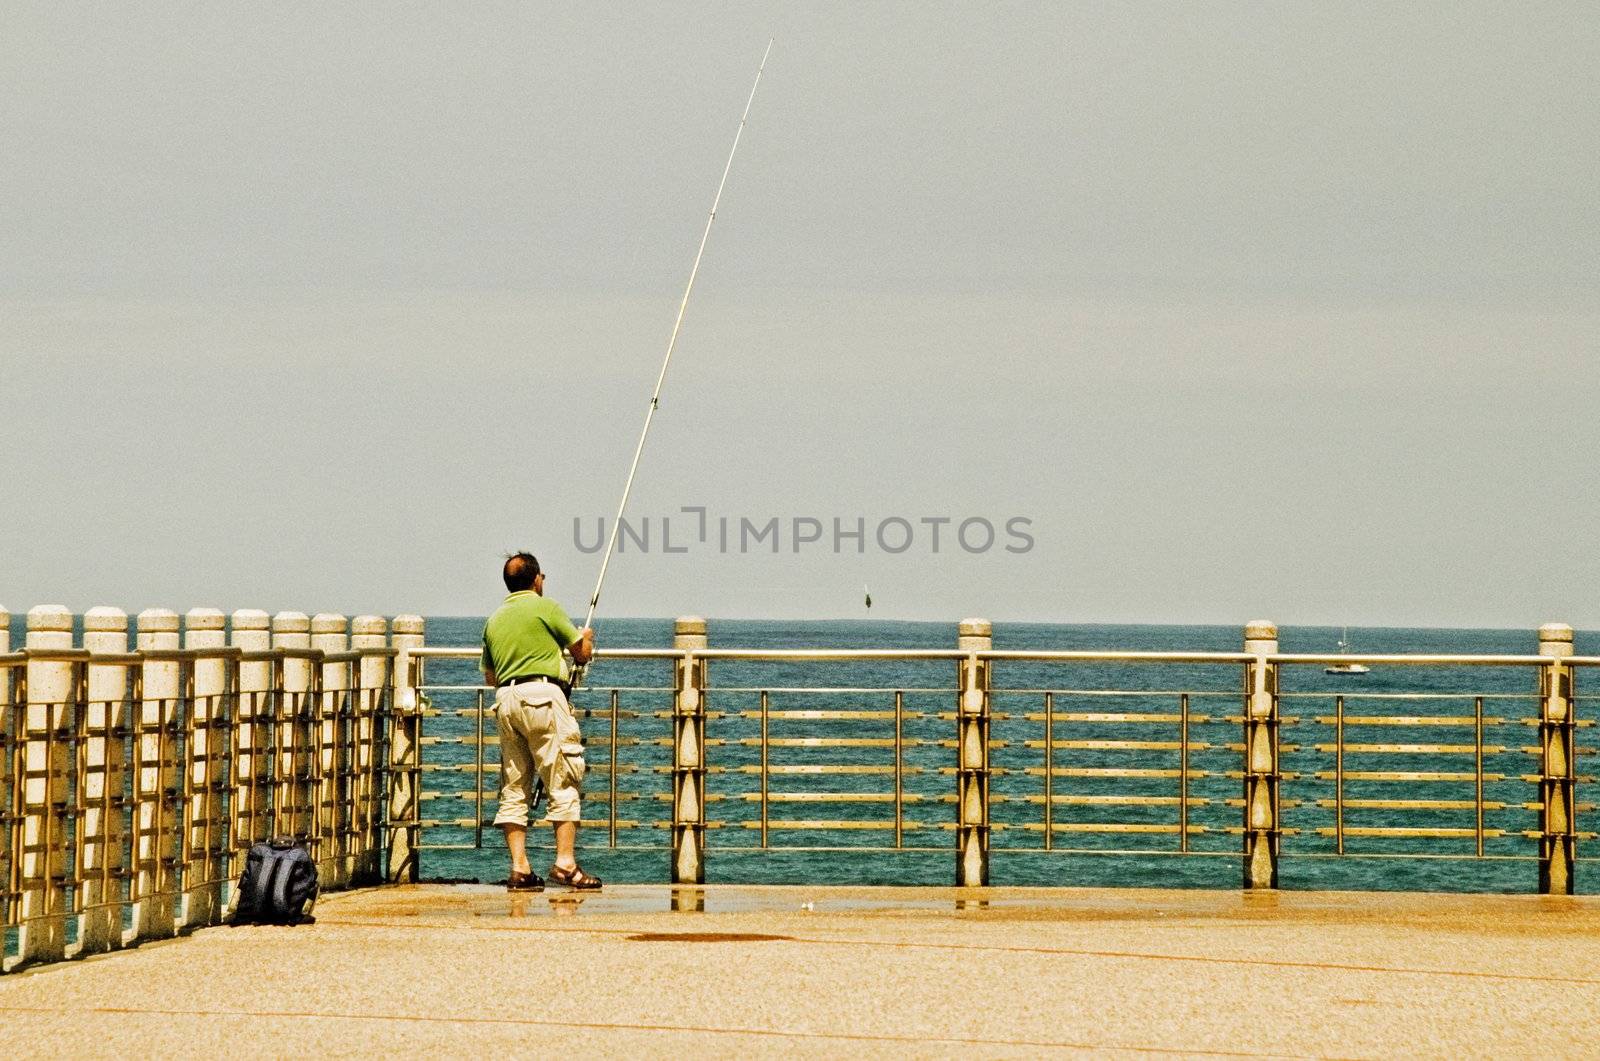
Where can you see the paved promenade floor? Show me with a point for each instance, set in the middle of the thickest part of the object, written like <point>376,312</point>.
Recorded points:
<point>831,972</point>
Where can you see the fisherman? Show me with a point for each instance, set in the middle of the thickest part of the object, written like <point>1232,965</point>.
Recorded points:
<point>539,738</point>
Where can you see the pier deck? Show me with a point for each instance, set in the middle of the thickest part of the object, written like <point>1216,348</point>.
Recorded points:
<point>876,971</point>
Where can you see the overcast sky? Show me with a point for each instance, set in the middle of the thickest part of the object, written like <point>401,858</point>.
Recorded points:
<point>1253,310</point>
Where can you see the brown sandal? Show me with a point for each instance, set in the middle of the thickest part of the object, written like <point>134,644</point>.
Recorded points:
<point>574,878</point>
<point>525,882</point>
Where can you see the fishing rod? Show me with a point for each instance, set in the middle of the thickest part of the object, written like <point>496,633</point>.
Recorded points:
<point>677,325</point>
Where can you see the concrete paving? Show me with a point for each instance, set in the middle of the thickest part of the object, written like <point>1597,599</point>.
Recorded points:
<point>832,972</point>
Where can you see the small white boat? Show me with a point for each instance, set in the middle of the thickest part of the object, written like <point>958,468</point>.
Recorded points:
<point>1344,650</point>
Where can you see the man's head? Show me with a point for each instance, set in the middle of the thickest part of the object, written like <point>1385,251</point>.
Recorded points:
<point>521,572</point>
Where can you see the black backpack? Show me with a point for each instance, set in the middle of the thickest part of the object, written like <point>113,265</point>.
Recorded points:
<point>279,880</point>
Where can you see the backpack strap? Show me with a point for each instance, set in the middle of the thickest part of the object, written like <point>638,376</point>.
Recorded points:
<point>277,887</point>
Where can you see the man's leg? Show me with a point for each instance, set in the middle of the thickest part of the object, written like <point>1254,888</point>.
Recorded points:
<point>561,768</point>
<point>516,768</point>
<point>566,844</point>
<point>517,844</point>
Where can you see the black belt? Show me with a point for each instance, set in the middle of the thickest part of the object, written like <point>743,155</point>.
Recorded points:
<point>565,687</point>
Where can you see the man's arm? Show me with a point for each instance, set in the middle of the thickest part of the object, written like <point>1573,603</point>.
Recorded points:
<point>583,648</point>
<point>578,643</point>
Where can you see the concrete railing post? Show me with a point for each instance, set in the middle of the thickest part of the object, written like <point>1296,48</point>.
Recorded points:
<point>329,635</point>
<point>405,753</point>
<point>292,772</point>
<point>1558,839</point>
<point>1262,828</point>
<point>689,755</point>
<point>156,777</point>
<point>101,832</point>
<point>369,635</point>
<point>8,681</point>
<point>972,754</point>
<point>211,713</point>
<point>252,735</point>
<point>47,720</point>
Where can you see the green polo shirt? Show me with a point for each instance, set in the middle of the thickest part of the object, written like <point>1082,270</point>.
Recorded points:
<point>525,636</point>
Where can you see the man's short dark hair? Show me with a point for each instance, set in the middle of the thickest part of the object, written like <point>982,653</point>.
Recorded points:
<point>520,571</point>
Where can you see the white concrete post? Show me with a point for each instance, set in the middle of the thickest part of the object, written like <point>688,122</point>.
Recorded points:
<point>46,760</point>
<point>405,751</point>
<point>102,831</point>
<point>155,777</point>
<point>292,795</point>
<point>329,636</point>
<point>689,756</point>
<point>252,766</point>
<point>1558,837</point>
<point>1262,829</point>
<point>205,828</point>
<point>972,754</point>
<point>369,635</point>
<point>7,679</point>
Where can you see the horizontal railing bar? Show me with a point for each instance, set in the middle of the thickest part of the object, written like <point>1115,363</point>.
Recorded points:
<point>1118,801</point>
<point>822,826</point>
<point>1119,745</point>
<point>827,742</point>
<point>790,654</point>
<point>826,768</point>
<point>1411,749</point>
<point>830,797</point>
<point>1110,827</point>
<point>1114,656</point>
<point>55,655</point>
<point>476,652</point>
<point>1113,771</point>
<point>1425,660</point>
<point>1411,804</point>
<point>1419,855</point>
<point>758,849</point>
<point>808,715</point>
<point>823,689</point>
<point>1111,716</point>
<point>1228,694</point>
<point>1043,655</point>
<point>1403,832</point>
<point>1350,695</point>
<point>1406,775</point>
<point>1408,720</point>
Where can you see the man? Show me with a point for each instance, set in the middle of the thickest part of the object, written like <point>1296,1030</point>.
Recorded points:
<point>539,738</point>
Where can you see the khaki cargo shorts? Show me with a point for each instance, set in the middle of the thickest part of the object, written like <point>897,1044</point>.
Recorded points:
<point>538,738</point>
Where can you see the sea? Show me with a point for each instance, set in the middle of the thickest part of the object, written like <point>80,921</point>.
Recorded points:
<point>1387,729</point>
<point>1080,696</point>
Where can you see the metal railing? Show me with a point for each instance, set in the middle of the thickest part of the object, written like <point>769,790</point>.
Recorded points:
<point>1251,755</point>
<point>132,784</point>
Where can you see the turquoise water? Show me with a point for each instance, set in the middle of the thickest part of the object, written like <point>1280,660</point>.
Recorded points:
<point>1079,689</point>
